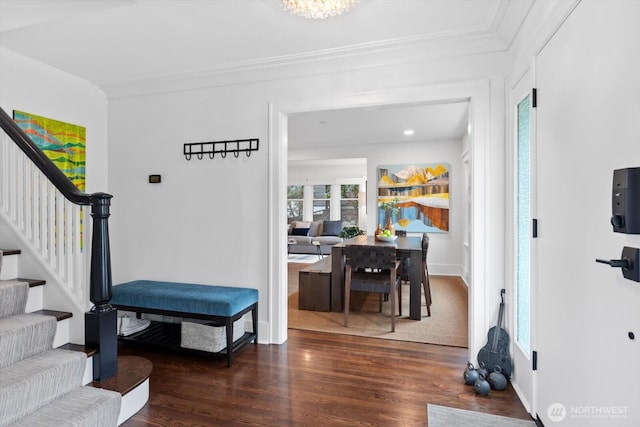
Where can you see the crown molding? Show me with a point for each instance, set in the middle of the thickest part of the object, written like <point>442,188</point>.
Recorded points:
<point>370,55</point>
<point>495,35</point>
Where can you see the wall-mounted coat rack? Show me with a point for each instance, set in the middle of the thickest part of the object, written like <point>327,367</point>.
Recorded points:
<point>199,149</point>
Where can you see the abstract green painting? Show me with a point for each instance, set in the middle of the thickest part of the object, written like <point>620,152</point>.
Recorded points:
<point>63,143</point>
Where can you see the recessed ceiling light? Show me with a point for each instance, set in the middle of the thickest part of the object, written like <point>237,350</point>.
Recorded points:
<point>408,132</point>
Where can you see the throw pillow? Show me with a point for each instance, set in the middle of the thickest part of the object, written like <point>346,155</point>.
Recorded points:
<point>314,228</point>
<point>331,228</point>
<point>300,224</point>
<point>300,232</point>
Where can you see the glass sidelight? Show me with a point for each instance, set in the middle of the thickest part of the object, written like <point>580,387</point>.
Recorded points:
<point>524,226</point>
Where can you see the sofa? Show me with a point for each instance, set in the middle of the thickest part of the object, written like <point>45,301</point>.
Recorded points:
<point>302,235</point>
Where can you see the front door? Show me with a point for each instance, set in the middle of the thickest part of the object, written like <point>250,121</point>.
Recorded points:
<point>587,314</point>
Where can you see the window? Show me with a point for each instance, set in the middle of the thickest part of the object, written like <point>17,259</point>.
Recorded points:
<point>523,215</point>
<point>321,202</point>
<point>349,204</point>
<point>295,197</point>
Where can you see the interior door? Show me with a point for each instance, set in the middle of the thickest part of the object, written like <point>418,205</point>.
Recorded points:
<point>588,315</point>
<point>523,205</point>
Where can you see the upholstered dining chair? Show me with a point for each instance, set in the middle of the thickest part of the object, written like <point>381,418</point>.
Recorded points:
<point>372,269</point>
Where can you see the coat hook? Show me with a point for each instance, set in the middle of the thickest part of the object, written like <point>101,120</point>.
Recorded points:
<point>223,147</point>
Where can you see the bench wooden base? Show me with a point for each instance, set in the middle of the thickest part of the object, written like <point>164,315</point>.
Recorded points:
<point>167,335</point>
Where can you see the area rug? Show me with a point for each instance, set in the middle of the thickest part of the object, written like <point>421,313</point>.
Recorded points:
<point>448,324</point>
<point>443,416</point>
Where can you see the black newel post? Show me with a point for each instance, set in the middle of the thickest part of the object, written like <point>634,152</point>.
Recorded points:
<point>101,321</point>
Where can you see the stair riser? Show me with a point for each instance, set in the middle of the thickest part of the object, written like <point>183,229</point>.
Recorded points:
<point>62,333</point>
<point>9,267</point>
<point>88,371</point>
<point>35,301</point>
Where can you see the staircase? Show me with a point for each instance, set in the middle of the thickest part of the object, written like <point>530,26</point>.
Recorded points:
<point>45,380</point>
<point>65,237</point>
<point>41,385</point>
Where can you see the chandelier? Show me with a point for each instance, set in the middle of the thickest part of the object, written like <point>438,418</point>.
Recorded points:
<point>318,9</point>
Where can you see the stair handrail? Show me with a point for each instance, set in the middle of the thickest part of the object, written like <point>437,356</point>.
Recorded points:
<point>100,271</point>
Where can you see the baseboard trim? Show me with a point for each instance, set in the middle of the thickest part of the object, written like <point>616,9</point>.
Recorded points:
<point>445,269</point>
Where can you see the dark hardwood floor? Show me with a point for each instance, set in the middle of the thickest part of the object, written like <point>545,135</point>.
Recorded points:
<point>314,379</point>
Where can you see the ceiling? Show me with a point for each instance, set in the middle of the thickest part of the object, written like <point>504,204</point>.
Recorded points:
<point>118,43</point>
<point>355,126</point>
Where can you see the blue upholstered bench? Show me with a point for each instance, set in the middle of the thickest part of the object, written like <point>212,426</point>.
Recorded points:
<point>222,305</point>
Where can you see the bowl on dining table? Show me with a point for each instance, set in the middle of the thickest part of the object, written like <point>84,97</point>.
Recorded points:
<point>384,238</point>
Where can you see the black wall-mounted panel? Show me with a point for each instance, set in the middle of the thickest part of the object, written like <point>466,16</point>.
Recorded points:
<point>625,201</point>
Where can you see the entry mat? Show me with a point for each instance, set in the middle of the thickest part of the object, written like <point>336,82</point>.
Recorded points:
<point>443,416</point>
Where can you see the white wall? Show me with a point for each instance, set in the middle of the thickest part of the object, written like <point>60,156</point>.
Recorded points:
<point>304,172</point>
<point>29,86</point>
<point>207,222</point>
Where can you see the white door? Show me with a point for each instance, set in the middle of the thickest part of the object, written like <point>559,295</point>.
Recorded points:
<point>522,262</point>
<point>587,316</point>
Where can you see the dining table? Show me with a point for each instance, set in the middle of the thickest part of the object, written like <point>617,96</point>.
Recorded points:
<point>407,247</point>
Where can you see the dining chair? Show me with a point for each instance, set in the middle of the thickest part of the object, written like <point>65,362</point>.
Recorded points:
<point>426,286</point>
<point>372,269</point>
<point>406,268</point>
<point>405,261</point>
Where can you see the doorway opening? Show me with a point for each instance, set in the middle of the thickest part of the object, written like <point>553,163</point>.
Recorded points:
<point>476,93</point>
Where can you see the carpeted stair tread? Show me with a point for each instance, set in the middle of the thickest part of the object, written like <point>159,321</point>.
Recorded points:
<point>13,297</point>
<point>24,335</point>
<point>84,406</point>
<point>32,383</point>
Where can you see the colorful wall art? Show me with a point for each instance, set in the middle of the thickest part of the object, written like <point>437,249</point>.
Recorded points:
<point>63,143</point>
<point>415,197</point>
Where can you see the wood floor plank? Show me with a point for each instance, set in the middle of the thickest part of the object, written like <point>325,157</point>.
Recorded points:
<point>314,379</point>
